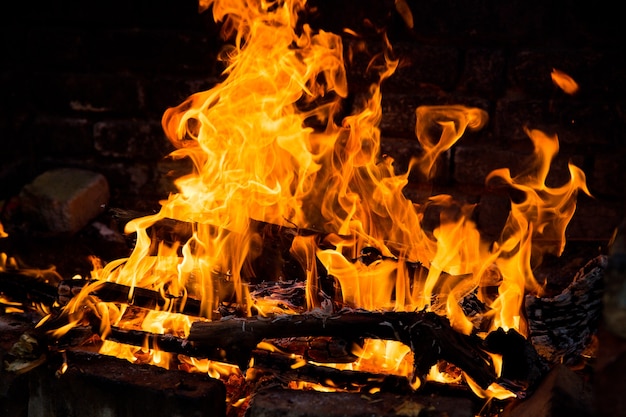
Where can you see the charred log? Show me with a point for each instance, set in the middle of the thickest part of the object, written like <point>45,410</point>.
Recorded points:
<point>272,258</point>
<point>561,326</point>
<point>28,290</point>
<point>430,337</point>
<point>284,368</point>
<point>136,296</point>
<point>322,349</point>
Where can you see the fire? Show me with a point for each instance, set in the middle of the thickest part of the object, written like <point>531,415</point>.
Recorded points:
<point>271,144</point>
<point>564,81</point>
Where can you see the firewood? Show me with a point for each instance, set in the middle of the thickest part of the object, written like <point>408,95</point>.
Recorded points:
<point>284,368</point>
<point>430,337</point>
<point>322,349</point>
<point>28,289</point>
<point>136,296</point>
<point>562,326</point>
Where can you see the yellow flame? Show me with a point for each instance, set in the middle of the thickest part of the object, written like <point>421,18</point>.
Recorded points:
<point>493,391</point>
<point>441,376</point>
<point>272,143</point>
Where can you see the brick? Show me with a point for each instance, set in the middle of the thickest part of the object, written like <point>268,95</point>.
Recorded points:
<point>472,164</point>
<point>170,169</point>
<point>140,51</point>
<point>513,114</point>
<point>492,213</point>
<point>61,137</point>
<point>401,150</point>
<point>399,110</point>
<point>87,93</point>
<point>136,175</point>
<point>595,219</point>
<point>483,72</point>
<point>135,139</point>
<point>608,176</point>
<point>162,92</point>
<point>64,200</point>
<point>415,67</point>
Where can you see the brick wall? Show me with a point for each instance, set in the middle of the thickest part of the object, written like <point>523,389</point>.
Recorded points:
<point>85,85</point>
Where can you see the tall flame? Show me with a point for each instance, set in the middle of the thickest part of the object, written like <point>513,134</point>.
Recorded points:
<point>271,144</point>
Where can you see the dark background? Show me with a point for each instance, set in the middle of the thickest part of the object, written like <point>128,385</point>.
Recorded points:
<point>85,84</point>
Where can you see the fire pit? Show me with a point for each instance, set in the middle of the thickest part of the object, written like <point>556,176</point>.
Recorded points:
<point>290,260</point>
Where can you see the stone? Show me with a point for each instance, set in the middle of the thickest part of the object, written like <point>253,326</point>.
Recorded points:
<point>64,200</point>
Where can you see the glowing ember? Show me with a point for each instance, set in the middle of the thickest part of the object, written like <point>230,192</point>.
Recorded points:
<point>269,144</point>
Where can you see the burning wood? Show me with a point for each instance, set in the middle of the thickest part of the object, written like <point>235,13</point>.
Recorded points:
<point>286,188</point>
<point>430,337</point>
<point>140,297</point>
<point>235,339</point>
<point>562,326</point>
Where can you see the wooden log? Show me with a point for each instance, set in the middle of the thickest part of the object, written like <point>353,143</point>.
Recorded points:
<point>430,337</point>
<point>322,349</point>
<point>561,327</point>
<point>284,368</point>
<point>29,289</point>
<point>136,296</point>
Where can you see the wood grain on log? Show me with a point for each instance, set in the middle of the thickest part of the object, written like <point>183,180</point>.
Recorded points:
<point>561,327</point>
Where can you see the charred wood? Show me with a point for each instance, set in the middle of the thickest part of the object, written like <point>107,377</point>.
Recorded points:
<point>561,327</point>
<point>285,369</point>
<point>318,349</point>
<point>430,337</point>
<point>272,259</point>
<point>27,289</point>
<point>136,296</point>
<point>522,367</point>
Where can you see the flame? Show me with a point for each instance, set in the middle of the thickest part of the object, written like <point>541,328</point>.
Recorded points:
<point>564,82</point>
<point>272,144</point>
<point>2,232</point>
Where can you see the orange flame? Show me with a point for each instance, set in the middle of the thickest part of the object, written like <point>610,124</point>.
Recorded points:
<point>268,144</point>
<point>564,82</point>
